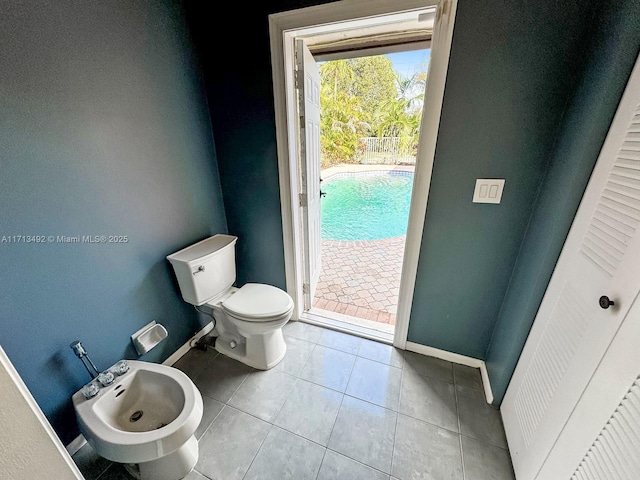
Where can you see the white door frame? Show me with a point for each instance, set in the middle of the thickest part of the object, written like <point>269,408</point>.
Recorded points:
<point>283,29</point>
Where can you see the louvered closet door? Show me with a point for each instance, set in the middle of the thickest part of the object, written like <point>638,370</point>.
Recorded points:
<point>571,332</point>
<point>614,452</point>
<point>601,440</point>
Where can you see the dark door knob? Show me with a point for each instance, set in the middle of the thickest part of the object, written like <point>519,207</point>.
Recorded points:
<point>605,302</point>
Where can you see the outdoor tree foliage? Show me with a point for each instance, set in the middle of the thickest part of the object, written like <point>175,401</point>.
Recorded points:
<point>365,97</point>
<point>342,119</point>
<point>374,83</point>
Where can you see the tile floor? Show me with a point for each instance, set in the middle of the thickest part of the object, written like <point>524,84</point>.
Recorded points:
<point>338,407</point>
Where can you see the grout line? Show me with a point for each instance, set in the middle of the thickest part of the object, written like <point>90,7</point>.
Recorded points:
<point>111,464</point>
<point>429,423</point>
<point>358,355</point>
<point>202,474</point>
<point>335,421</point>
<point>259,449</point>
<point>486,443</point>
<point>324,454</point>
<point>293,387</point>
<point>395,431</point>
<point>214,418</point>
<point>250,414</point>
<point>359,462</point>
<point>455,391</point>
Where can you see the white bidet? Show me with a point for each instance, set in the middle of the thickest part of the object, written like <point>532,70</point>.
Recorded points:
<point>145,419</point>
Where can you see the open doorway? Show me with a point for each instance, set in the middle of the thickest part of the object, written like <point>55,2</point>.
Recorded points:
<point>371,109</point>
<point>350,26</point>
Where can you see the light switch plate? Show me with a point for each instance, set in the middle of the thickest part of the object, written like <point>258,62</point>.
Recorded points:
<point>488,190</point>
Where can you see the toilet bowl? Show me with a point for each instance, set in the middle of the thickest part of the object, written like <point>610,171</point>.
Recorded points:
<point>145,419</point>
<point>249,319</point>
<point>249,324</point>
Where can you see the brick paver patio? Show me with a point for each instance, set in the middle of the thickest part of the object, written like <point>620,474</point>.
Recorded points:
<point>361,278</point>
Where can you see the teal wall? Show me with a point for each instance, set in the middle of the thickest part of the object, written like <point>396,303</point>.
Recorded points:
<point>511,69</point>
<point>240,92</point>
<point>514,68</point>
<point>613,49</point>
<point>104,130</point>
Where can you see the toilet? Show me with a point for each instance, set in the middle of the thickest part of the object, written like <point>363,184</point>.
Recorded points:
<point>249,319</point>
<point>145,419</point>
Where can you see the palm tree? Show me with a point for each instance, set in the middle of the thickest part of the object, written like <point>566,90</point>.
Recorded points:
<point>411,90</point>
<point>339,75</point>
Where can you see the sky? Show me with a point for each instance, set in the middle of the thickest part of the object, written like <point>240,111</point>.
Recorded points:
<point>408,63</point>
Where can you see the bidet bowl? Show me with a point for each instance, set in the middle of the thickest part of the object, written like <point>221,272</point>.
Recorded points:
<point>145,414</point>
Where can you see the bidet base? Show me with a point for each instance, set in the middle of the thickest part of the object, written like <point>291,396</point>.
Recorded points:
<point>174,466</point>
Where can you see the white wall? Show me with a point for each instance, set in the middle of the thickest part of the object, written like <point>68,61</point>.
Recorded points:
<point>29,448</point>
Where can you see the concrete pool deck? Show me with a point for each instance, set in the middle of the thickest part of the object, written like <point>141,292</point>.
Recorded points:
<point>361,279</point>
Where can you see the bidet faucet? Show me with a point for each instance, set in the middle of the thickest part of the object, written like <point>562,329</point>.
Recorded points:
<point>81,353</point>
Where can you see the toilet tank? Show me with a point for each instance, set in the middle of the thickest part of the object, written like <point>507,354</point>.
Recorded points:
<point>205,269</point>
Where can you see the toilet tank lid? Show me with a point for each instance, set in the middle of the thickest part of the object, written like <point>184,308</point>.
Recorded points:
<point>198,251</point>
<point>255,301</point>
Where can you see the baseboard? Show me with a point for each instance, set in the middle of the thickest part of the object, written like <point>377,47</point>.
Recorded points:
<point>76,444</point>
<point>456,358</point>
<point>488,393</point>
<point>79,442</point>
<point>178,354</point>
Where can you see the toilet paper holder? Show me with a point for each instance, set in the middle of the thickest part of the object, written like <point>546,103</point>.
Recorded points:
<point>148,337</point>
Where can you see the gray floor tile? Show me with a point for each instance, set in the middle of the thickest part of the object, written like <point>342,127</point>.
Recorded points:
<point>193,475</point>
<point>195,360</point>
<point>338,467</point>
<point>424,451</point>
<point>478,419</point>
<point>485,462</point>
<point>263,393</point>
<point>428,366</point>
<point>90,463</point>
<point>298,352</point>
<point>284,455</point>
<point>228,447</point>
<point>428,399</point>
<point>365,441</point>
<point>340,341</point>
<point>364,432</point>
<point>303,331</point>
<point>116,472</point>
<point>467,377</point>
<point>375,382</point>
<point>329,368</point>
<point>381,352</point>
<point>221,378</point>
<point>211,409</point>
<point>310,411</point>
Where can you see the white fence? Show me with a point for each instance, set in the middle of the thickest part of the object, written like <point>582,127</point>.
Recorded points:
<point>384,150</point>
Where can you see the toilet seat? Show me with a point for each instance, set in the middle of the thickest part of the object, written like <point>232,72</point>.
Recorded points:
<point>255,302</point>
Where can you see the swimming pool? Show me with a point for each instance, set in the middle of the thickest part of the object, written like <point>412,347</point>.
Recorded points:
<point>366,206</point>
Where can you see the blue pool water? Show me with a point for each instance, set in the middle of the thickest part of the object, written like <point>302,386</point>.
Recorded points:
<point>366,207</point>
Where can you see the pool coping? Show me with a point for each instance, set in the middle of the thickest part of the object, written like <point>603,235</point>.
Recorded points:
<point>348,168</point>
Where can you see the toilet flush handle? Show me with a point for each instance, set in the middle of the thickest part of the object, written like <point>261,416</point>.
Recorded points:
<point>200,269</point>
